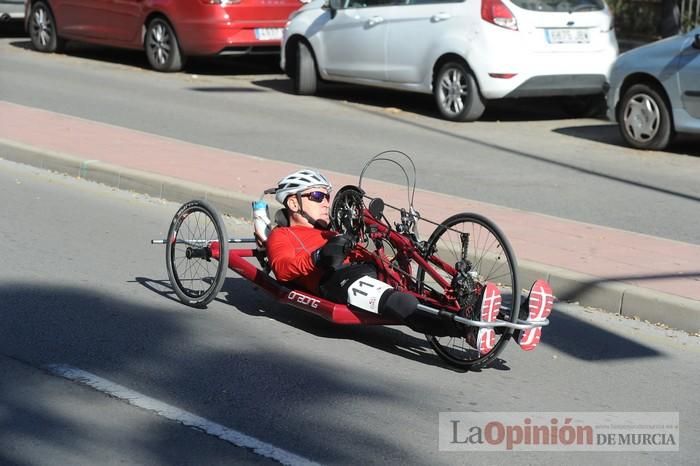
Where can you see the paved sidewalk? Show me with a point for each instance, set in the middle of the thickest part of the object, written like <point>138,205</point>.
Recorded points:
<point>622,272</point>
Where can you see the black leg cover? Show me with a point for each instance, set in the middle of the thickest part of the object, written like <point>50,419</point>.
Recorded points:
<point>404,306</point>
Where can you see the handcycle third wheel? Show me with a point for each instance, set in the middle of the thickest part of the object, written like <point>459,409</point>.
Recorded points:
<point>194,274</point>
<point>481,243</point>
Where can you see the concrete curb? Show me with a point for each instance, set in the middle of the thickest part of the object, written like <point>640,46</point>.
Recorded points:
<point>155,185</point>
<point>616,297</point>
<point>612,296</point>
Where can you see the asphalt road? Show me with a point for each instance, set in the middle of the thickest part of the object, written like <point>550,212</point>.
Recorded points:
<point>82,286</point>
<point>525,155</point>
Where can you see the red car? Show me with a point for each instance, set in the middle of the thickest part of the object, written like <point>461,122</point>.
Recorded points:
<point>168,30</point>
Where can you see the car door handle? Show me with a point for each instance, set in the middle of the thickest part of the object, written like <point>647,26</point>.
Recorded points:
<point>442,16</point>
<point>374,20</point>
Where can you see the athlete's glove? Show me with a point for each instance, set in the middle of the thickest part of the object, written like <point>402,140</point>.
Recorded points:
<point>333,253</point>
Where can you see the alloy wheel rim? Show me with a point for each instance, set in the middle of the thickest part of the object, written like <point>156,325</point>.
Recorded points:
<point>42,28</point>
<point>453,91</point>
<point>642,118</point>
<point>159,43</point>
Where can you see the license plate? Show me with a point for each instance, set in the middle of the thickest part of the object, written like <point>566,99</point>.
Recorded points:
<point>568,36</point>
<point>268,33</point>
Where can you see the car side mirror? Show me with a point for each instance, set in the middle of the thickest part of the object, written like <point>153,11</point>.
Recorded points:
<point>696,42</point>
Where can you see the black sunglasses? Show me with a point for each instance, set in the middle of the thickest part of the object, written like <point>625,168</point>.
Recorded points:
<point>317,196</point>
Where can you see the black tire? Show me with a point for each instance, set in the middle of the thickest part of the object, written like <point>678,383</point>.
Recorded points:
<point>457,94</point>
<point>43,30</point>
<point>194,275</point>
<point>644,119</point>
<point>305,75</point>
<point>493,260</point>
<point>162,47</point>
<point>347,213</point>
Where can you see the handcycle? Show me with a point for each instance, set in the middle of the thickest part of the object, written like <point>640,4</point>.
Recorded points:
<point>447,273</point>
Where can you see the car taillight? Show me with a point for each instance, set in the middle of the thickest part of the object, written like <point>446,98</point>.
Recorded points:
<point>495,12</point>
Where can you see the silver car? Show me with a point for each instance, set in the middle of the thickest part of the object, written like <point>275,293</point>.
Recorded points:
<point>655,91</point>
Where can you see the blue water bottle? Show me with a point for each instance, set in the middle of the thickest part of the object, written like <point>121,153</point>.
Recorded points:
<point>261,220</point>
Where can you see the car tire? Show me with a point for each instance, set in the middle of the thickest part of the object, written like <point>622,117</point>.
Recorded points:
<point>42,29</point>
<point>644,119</point>
<point>162,47</point>
<point>305,76</point>
<point>457,94</point>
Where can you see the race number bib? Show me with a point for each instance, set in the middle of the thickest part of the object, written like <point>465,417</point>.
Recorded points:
<point>365,293</point>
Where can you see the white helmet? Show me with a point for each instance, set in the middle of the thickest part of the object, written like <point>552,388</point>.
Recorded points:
<point>300,181</point>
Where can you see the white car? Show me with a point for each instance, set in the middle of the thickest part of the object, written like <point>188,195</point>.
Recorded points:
<point>463,52</point>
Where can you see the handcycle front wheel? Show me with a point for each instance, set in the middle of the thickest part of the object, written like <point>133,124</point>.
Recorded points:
<point>347,212</point>
<point>491,258</point>
<point>194,275</point>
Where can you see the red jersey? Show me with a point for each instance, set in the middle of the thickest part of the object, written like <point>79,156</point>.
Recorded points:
<point>289,251</point>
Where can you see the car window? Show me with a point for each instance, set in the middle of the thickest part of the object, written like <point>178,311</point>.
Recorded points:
<point>560,5</point>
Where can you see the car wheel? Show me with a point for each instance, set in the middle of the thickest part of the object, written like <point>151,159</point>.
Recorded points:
<point>644,118</point>
<point>162,47</point>
<point>42,29</point>
<point>305,77</point>
<point>457,94</point>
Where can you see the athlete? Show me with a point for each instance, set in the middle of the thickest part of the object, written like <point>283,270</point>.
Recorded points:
<point>309,255</point>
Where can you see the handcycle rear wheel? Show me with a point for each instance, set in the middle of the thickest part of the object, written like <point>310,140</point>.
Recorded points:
<point>492,260</point>
<point>194,275</point>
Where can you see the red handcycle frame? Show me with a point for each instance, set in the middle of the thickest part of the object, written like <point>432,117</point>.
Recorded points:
<point>334,312</point>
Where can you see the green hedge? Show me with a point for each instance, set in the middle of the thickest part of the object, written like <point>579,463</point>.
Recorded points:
<point>636,19</point>
<point>639,19</point>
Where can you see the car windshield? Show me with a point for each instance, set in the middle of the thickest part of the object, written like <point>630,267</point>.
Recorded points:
<point>560,5</point>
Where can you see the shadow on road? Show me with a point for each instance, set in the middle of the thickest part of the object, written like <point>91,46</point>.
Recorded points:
<point>152,350</point>
<point>590,343</point>
<point>393,102</point>
<point>252,301</point>
<point>610,134</point>
<point>386,100</point>
<point>161,287</point>
<point>225,377</point>
<point>566,334</point>
<point>206,66</point>
<point>215,89</point>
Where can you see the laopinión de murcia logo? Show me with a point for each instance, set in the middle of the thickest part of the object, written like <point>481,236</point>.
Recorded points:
<point>591,431</point>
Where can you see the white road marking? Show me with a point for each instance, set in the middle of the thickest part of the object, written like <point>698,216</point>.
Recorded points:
<point>176,414</point>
